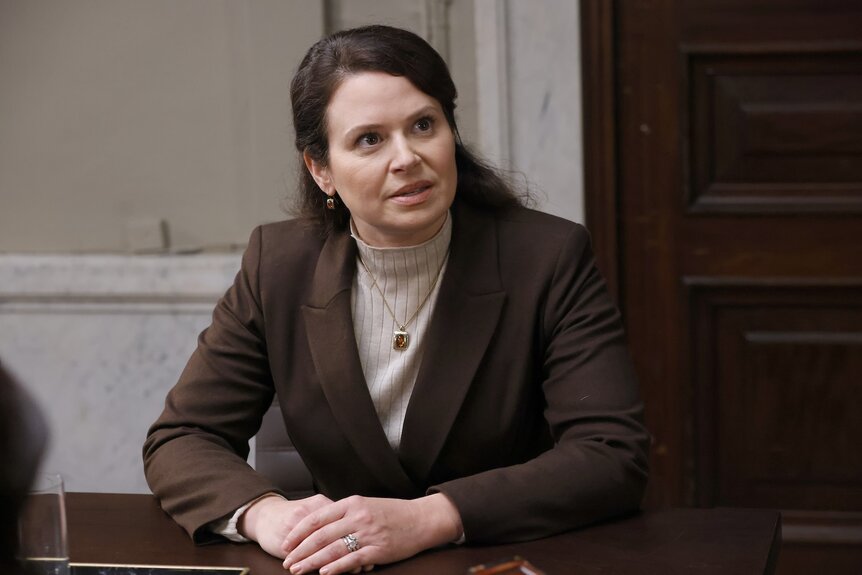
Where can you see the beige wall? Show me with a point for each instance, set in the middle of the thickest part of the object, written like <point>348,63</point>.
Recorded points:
<point>118,110</point>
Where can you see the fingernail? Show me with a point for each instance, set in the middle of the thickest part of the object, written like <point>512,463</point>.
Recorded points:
<point>295,569</point>
<point>324,570</point>
<point>288,561</point>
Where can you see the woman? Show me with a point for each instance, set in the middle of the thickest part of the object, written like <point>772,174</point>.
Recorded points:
<point>448,363</point>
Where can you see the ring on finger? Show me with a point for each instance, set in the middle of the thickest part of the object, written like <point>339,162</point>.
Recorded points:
<point>351,542</point>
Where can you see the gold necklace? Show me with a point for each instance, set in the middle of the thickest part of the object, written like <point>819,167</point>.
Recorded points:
<point>400,336</point>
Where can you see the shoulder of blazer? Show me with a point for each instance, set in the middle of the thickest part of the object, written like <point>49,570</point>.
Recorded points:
<point>540,225</point>
<point>299,263</point>
<point>524,236</point>
<point>290,237</point>
<point>289,246</point>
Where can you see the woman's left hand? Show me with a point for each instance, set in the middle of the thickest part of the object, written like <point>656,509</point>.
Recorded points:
<point>385,530</point>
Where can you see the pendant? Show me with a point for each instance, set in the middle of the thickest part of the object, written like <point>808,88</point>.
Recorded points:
<point>400,339</point>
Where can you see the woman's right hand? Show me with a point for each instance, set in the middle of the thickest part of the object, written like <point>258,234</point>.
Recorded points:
<point>269,519</point>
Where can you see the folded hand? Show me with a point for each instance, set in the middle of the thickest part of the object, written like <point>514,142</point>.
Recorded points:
<point>385,530</point>
<point>269,520</point>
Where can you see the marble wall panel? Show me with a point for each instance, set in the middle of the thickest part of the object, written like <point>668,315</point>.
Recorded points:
<point>99,340</point>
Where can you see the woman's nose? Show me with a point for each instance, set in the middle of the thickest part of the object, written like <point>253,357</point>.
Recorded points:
<point>405,156</point>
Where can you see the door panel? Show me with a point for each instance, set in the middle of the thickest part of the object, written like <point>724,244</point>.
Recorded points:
<point>737,254</point>
<point>777,395</point>
<point>773,131</point>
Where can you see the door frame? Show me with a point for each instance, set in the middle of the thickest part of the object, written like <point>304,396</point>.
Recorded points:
<point>598,81</point>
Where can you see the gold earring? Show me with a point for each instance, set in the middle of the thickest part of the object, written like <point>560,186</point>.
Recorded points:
<point>330,203</point>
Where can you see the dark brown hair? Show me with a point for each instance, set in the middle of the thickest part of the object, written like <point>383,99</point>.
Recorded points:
<point>399,53</point>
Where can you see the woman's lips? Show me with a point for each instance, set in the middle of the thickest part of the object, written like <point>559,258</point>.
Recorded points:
<point>413,194</point>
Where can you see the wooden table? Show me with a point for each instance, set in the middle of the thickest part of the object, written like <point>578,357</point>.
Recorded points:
<point>132,529</point>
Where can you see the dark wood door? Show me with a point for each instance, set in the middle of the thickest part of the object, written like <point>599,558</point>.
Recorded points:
<point>724,190</point>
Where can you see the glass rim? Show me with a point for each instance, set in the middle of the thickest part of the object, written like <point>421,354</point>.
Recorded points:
<point>47,482</point>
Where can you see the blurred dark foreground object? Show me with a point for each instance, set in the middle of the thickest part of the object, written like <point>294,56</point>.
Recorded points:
<point>512,566</point>
<point>23,437</point>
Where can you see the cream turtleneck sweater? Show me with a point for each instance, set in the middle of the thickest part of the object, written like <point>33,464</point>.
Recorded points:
<point>405,275</point>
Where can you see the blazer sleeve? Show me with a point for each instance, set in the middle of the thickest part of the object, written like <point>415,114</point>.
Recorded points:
<point>195,453</point>
<point>597,467</point>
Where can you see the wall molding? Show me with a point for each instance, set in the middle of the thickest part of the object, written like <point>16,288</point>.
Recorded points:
<point>492,81</point>
<point>115,278</point>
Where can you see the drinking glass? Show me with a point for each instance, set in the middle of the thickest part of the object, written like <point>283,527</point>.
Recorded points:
<point>43,546</point>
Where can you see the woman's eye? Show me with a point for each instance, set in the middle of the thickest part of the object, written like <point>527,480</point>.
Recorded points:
<point>424,124</point>
<point>366,140</point>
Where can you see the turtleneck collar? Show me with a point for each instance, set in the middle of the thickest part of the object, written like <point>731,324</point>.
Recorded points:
<point>376,258</point>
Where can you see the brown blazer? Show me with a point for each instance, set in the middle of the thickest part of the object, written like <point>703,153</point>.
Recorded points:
<point>525,411</point>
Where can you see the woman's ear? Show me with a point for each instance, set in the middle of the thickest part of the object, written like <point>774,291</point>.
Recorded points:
<point>320,174</point>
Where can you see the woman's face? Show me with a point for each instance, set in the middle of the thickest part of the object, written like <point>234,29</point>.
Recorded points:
<point>391,159</point>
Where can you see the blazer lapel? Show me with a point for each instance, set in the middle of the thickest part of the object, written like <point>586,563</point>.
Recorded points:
<point>467,312</point>
<point>329,325</point>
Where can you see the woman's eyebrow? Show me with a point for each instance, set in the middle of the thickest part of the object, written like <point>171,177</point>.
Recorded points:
<point>361,129</point>
<point>425,110</point>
